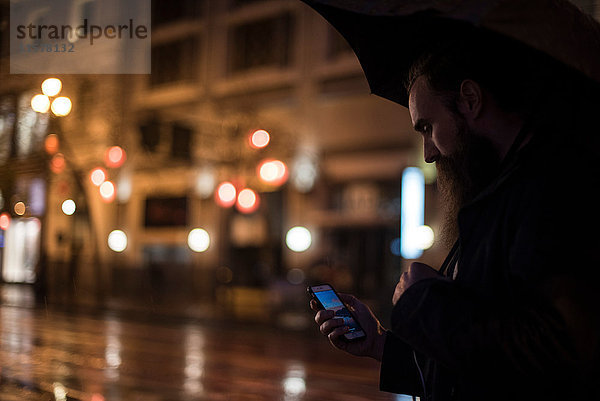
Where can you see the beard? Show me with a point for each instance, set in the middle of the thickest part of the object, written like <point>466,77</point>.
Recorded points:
<point>463,175</point>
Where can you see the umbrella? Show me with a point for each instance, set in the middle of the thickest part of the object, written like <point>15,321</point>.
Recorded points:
<point>388,35</point>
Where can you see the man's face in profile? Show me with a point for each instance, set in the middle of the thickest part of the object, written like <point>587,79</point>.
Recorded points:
<point>466,161</point>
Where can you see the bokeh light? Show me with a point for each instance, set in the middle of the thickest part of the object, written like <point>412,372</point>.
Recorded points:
<point>115,157</point>
<point>4,221</point>
<point>51,86</point>
<point>259,139</point>
<point>226,194</point>
<point>51,144</point>
<point>247,201</point>
<point>298,239</point>
<point>40,103</point>
<point>107,191</point>
<point>61,106</point>
<point>58,163</point>
<point>98,176</point>
<point>198,240</point>
<point>117,240</point>
<point>20,208</point>
<point>273,172</point>
<point>68,207</point>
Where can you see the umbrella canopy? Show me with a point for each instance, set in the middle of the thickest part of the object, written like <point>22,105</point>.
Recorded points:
<point>388,35</point>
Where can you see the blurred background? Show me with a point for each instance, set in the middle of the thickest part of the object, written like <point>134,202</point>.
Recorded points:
<point>251,162</point>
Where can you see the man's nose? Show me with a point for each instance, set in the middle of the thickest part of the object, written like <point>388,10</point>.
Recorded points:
<point>430,151</point>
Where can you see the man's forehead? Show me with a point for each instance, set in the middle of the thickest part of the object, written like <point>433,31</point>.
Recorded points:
<point>415,98</point>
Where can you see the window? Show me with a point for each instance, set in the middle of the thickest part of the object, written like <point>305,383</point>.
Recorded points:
<point>261,43</point>
<point>181,142</point>
<point>168,11</point>
<point>150,135</point>
<point>174,61</point>
<point>31,127</point>
<point>165,212</point>
<point>7,124</point>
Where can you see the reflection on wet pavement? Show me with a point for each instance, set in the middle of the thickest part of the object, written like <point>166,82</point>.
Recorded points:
<point>54,355</point>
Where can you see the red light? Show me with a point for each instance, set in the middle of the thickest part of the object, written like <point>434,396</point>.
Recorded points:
<point>259,139</point>
<point>273,172</point>
<point>115,157</point>
<point>225,194</point>
<point>58,163</point>
<point>4,221</point>
<point>247,201</point>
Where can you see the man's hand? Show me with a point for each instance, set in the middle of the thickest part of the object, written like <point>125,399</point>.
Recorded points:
<point>334,329</point>
<point>416,272</point>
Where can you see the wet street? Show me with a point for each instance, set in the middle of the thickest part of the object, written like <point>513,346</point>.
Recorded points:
<point>50,354</point>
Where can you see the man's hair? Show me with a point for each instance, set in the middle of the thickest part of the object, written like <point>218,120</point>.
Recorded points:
<point>520,79</point>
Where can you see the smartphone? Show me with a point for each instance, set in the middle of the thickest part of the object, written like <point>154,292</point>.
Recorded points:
<point>329,299</point>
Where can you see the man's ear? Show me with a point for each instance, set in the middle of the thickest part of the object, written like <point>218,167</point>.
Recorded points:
<point>470,100</point>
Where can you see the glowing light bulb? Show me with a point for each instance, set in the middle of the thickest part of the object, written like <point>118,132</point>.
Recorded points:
<point>259,139</point>
<point>40,103</point>
<point>61,106</point>
<point>298,239</point>
<point>58,163</point>
<point>198,240</point>
<point>51,86</point>
<point>98,176</point>
<point>247,201</point>
<point>20,208</point>
<point>107,191</point>
<point>68,207</point>
<point>117,240</point>
<point>273,172</point>
<point>4,221</point>
<point>51,144</point>
<point>115,157</point>
<point>226,194</point>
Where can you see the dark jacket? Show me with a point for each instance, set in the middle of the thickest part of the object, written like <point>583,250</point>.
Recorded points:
<point>521,319</point>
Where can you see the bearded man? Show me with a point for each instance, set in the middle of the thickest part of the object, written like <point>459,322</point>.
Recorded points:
<point>512,314</point>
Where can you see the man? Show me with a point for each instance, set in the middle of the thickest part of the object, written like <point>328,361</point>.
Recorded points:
<point>513,312</point>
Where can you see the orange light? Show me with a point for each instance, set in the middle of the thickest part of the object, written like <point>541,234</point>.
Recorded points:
<point>115,157</point>
<point>247,201</point>
<point>51,144</point>
<point>4,221</point>
<point>259,139</point>
<point>98,176</point>
<point>226,194</point>
<point>273,172</point>
<point>107,191</point>
<point>58,163</point>
<point>20,208</point>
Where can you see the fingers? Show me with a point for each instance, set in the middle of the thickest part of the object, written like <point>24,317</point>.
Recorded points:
<point>323,315</point>
<point>331,326</point>
<point>314,305</point>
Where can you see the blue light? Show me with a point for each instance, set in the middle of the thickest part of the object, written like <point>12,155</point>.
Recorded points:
<point>412,212</point>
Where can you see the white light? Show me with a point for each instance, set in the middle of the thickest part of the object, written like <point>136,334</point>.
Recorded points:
<point>61,106</point>
<point>424,237</point>
<point>60,392</point>
<point>205,182</point>
<point>294,386</point>
<point>40,103</point>
<point>68,207</point>
<point>412,212</point>
<point>117,241</point>
<point>298,239</point>
<point>198,240</point>
<point>51,86</point>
